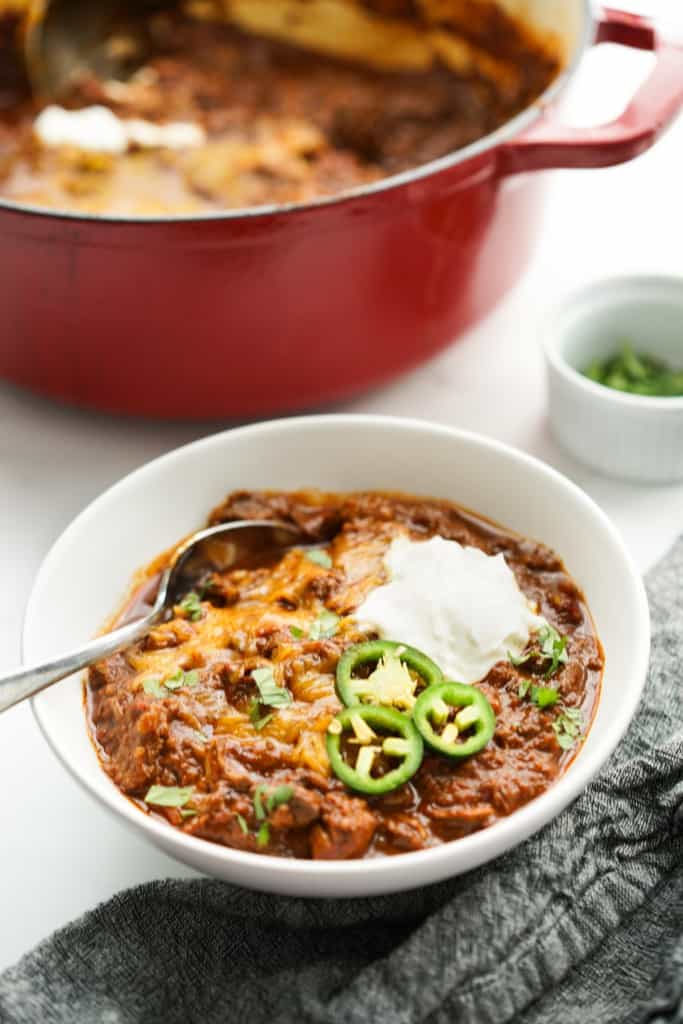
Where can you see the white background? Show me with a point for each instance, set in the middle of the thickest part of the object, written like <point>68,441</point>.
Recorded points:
<point>59,853</point>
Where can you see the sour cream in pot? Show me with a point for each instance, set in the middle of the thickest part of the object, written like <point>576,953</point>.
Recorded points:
<point>98,129</point>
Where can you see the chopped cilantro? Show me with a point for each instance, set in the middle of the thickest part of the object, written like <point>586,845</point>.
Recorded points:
<point>271,694</point>
<point>169,796</point>
<point>263,834</point>
<point>280,795</point>
<point>550,647</point>
<point>153,687</point>
<point>296,632</point>
<point>258,720</point>
<point>544,696</point>
<point>568,727</point>
<point>191,606</point>
<point>524,687</point>
<point>325,626</point>
<point>180,678</point>
<point>319,557</point>
<point>258,802</point>
<point>554,647</point>
<point>205,587</point>
<point>175,681</point>
<point>637,373</point>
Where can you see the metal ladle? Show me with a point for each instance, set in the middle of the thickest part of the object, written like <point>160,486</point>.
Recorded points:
<point>192,558</point>
<point>65,39</point>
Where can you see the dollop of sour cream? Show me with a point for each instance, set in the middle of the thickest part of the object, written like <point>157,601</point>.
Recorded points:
<point>457,604</point>
<point>98,129</point>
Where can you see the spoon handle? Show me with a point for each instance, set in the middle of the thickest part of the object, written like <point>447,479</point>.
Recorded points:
<point>19,685</point>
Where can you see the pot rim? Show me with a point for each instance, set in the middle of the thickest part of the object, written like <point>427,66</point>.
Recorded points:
<point>476,149</point>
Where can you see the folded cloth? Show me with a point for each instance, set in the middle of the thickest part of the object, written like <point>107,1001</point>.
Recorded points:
<point>580,925</point>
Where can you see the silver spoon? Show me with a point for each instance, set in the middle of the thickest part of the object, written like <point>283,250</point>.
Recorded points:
<point>67,38</point>
<point>194,555</point>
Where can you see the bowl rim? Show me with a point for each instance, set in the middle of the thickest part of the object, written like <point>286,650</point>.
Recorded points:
<point>472,850</point>
<point>607,292</point>
<point>505,133</point>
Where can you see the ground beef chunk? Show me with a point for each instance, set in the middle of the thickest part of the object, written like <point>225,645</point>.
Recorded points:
<point>300,811</point>
<point>346,828</point>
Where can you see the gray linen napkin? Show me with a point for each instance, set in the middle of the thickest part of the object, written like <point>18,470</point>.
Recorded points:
<point>583,924</point>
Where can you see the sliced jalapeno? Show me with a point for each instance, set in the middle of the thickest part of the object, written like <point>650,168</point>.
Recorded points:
<point>455,719</point>
<point>373,749</point>
<point>390,684</point>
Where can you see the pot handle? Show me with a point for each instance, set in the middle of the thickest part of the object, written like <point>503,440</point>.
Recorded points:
<point>547,144</point>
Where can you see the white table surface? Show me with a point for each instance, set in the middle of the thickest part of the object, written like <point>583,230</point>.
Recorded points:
<point>60,854</point>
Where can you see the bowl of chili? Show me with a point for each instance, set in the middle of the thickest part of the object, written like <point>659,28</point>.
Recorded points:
<point>445,722</point>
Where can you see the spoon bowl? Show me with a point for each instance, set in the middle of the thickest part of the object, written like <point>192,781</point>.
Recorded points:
<point>66,39</point>
<point>216,548</point>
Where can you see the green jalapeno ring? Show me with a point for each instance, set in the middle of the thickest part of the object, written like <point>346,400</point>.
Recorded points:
<point>372,652</point>
<point>399,739</point>
<point>433,706</point>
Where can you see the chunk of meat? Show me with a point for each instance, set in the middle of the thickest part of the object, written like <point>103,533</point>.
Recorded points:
<point>404,832</point>
<point>300,811</point>
<point>317,520</point>
<point>170,634</point>
<point>346,828</point>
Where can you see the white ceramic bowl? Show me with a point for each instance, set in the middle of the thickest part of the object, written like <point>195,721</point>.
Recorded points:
<point>88,570</point>
<point>627,436</point>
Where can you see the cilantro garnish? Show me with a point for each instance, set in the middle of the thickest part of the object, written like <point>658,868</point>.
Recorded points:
<point>296,632</point>
<point>205,587</point>
<point>271,694</point>
<point>544,696</point>
<point>258,720</point>
<point>280,795</point>
<point>554,647</point>
<point>169,796</point>
<point>568,727</point>
<point>325,626</point>
<point>549,647</point>
<point>541,696</point>
<point>258,802</point>
<point>155,687</point>
<point>263,835</point>
<point>319,557</point>
<point>180,678</point>
<point>191,606</point>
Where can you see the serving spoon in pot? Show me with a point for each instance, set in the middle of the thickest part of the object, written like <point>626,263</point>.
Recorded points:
<point>65,39</point>
<point>216,548</point>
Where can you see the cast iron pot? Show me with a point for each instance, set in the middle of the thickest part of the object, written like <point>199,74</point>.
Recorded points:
<point>254,312</point>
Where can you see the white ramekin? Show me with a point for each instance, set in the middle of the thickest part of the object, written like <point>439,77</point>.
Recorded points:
<point>628,436</point>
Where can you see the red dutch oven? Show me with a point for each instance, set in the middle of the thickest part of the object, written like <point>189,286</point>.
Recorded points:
<point>255,312</point>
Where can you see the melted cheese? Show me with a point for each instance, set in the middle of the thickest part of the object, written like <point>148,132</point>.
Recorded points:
<point>460,606</point>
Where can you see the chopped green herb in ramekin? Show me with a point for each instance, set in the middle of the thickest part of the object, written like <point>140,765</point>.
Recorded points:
<point>637,374</point>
